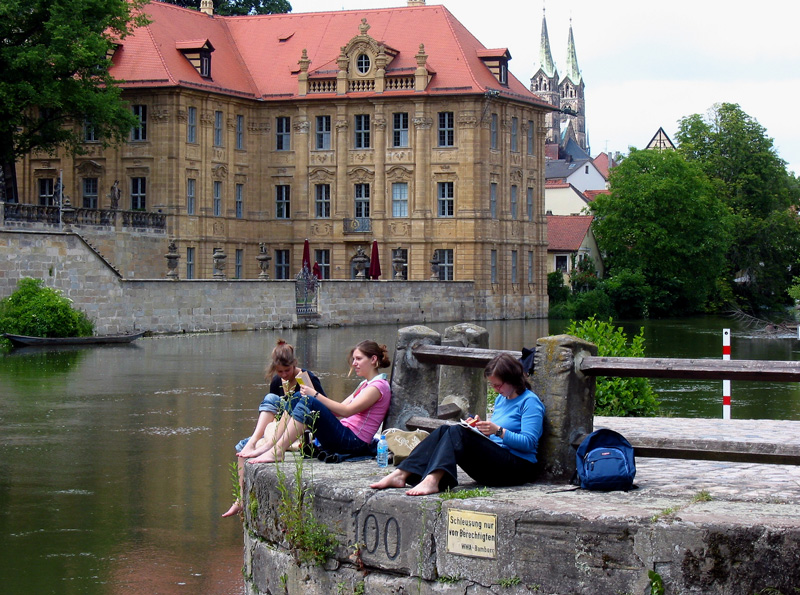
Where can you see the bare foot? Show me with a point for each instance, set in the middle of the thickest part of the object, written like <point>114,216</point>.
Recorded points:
<point>268,457</point>
<point>235,508</point>
<point>429,485</point>
<point>396,479</point>
<point>247,452</point>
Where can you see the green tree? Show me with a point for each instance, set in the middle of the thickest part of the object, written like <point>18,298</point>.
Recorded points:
<point>662,221</point>
<point>54,64</point>
<point>239,7</point>
<point>747,173</point>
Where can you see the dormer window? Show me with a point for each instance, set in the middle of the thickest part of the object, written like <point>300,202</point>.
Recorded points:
<point>497,63</point>
<point>198,53</point>
<point>363,63</point>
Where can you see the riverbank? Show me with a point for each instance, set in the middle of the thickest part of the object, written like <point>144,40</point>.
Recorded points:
<point>703,527</point>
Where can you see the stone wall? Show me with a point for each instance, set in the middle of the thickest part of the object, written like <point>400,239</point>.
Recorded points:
<point>67,262</point>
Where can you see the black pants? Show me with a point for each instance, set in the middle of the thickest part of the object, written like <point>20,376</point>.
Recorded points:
<point>484,461</point>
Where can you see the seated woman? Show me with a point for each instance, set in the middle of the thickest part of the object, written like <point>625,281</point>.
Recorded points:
<point>505,453</point>
<point>347,427</point>
<point>283,369</point>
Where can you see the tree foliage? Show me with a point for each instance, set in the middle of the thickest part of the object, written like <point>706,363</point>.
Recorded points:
<point>239,7</point>
<point>663,223</point>
<point>614,396</point>
<point>749,176</point>
<point>54,64</point>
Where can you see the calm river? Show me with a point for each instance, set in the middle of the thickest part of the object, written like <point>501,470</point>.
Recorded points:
<point>114,460</point>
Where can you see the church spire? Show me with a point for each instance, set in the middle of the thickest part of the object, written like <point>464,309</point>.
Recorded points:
<point>573,72</point>
<point>545,57</point>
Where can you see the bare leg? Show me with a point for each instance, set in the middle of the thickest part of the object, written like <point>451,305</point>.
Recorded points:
<point>275,454</point>
<point>272,434</point>
<point>429,484</point>
<point>396,479</point>
<point>264,419</point>
<point>236,507</point>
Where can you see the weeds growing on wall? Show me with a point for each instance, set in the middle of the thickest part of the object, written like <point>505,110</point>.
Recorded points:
<point>40,311</point>
<point>621,397</point>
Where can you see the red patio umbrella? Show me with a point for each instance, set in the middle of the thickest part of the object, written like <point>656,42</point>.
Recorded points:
<point>306,257</point>
<point>374,262</point>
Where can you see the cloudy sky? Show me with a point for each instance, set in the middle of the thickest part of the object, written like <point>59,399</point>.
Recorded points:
<point>648,64</point>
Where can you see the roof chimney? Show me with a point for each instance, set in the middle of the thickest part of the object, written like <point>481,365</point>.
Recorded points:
<point>207,6</point>
<point>416,2</point>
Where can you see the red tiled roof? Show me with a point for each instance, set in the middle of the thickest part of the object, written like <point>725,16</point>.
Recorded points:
<point>603,163</point>
<point>258,55</point>
<point>592,194</point>
<point>565,233</point>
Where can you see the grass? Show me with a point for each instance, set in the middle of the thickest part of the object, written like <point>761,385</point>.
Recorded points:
<point>465,494</point>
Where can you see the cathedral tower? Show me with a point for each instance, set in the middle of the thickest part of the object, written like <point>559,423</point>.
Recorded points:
<point>544,84</point>
<point>573,104</point>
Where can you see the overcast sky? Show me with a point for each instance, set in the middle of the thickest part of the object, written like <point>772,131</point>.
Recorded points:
<point>648,64</point>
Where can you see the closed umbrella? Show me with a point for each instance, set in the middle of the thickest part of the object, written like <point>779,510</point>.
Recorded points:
<point>306,257</point>
<point>374,262</point>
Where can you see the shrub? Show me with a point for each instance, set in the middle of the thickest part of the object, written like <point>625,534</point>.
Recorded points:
<point>629,293</point>
<point>614,396</point>
<point>40,311</point>
<point>557,291</point>
<point>594,302</point>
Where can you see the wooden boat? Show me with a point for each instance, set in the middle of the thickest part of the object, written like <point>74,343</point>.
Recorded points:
<point>25,341</point>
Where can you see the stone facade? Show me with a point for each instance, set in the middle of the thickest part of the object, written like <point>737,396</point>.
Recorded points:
<point>231,170</point>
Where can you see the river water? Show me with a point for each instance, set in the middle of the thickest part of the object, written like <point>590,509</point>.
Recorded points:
<point>114,461</point>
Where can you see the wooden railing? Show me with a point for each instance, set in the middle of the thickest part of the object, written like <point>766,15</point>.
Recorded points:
<point>641,367</point>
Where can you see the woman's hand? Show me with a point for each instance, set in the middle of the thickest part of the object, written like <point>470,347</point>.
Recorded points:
<point>487,428</point>
<point>308,391</point>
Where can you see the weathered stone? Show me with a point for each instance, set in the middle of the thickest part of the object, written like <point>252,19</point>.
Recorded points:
<point>414,384</point>
<point>467,383</point>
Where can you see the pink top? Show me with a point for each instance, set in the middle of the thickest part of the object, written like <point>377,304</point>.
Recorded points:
<point>366,423</point>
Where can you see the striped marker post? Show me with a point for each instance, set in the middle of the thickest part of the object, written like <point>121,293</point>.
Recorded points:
<point>726,384</point>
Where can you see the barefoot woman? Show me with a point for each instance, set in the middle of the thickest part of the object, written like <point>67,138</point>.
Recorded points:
<point>505,454</point>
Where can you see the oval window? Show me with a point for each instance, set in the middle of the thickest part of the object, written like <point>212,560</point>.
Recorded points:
<point>362,63</point>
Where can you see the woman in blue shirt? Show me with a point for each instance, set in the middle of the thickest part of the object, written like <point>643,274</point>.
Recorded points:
<point>500,452</point>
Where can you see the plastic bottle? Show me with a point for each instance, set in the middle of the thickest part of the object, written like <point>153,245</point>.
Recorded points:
<point>383,452</point>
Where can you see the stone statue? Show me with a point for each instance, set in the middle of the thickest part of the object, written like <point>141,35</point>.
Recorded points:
<point>115,195</point>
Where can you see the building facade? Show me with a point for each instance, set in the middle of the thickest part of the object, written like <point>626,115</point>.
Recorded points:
<point>257,133</point>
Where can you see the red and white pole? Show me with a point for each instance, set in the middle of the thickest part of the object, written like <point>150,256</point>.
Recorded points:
<point>726,384</point>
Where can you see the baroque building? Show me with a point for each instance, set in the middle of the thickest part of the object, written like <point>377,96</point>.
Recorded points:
<point>257,133</point>
<point>566,93</point>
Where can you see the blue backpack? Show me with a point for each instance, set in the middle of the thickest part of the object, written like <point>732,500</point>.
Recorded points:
<point>605,461</point>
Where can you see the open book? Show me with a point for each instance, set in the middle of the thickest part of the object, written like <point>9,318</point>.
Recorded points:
<point>303,379</point>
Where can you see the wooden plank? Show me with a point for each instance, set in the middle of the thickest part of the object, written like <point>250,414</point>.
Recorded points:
<point>467,357</point>
<point>702,369</point>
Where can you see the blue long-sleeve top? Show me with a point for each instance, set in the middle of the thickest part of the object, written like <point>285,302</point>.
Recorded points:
<point>522,418</point>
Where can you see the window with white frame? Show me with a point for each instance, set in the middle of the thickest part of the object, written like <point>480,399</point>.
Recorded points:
<point>190,263</point>
<point>139,131</point>
<point>514,266</point>
<point>323,259</point>
<point>240,132</point>
<point>562,262</point>
<point>46,191</point>
<point>191,196</point>
<point>400,199</point>
<point>217,198</point>
<point>445,264</point>
<point>515,134</point>
<point>89,134</point>
<point>282,202</point>
<point>361,201</point>
<point>90,193</point>
<point>322,201</point>
<point>138,194</point>
<point>447,129</point>
<point>283,126</point>
<point>281,264</point>
<point>191,125</point>
<point>323,133</point>
<point>238,264</point>
<point>446,199</point>
<point>218,123</point>
<point>400,129</point>
<point>362,131</point>
<point>239,200</point>
<point>514,201</point>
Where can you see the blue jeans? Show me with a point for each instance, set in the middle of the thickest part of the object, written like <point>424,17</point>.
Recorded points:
<point>326,427</point>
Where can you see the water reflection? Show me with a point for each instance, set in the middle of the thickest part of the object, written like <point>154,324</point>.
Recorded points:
<point>114,461</point>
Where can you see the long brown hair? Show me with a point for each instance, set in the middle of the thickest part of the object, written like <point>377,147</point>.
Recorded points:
<point>282,355</point>
<point>509,369</point>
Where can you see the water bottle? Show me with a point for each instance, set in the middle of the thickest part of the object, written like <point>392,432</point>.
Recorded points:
<point>383,452</point>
